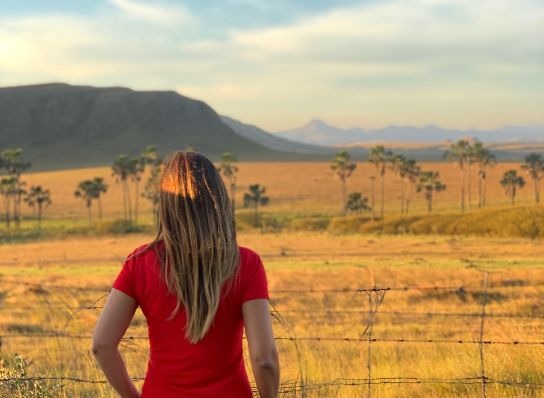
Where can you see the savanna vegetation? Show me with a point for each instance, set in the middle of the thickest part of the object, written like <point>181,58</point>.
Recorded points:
<point>52,293</point>
<point>384,189</point>
<point>432,230</point>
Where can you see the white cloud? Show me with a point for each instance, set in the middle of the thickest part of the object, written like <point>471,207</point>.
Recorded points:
<point>456,63</point>
<point>152,12</point>
<point>404,30</point>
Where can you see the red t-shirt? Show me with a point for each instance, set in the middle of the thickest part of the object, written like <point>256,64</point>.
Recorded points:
<point>214,367</point>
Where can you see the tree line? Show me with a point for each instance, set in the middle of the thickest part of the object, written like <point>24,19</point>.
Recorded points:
<point>472,159</point>
<point>127,171</point>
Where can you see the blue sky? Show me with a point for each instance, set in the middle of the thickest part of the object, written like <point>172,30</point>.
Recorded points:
<point>279,63</point>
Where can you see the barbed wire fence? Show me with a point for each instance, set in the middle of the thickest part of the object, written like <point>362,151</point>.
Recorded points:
<point>301,387</point>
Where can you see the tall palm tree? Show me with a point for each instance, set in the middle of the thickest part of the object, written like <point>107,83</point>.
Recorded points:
<point>342,168</point>
<point>430,184</point>
<point>98,188</point>
<point>459,153</point>
<point>409,171</point>
<point>228,170</point>
<point>7,190</point>
<point>150,158</point>
<point>380,158</point>
<point>85,191</point>
<point>123,169</point>
<point>484,158</point>
<point>255,198</point>
<point>12,161</point>
<point>152,191</point>
<point>534,166</point>
<point>373,196</point>
<point>147,158</point>
<point>470,160</point>
<point>39,197</point>
<point>396,165</point>
<point>511,182</point>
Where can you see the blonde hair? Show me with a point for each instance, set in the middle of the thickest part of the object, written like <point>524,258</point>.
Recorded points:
<point>196,224</point>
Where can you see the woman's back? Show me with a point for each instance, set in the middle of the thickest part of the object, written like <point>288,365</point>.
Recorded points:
<point>212,367</point>
<point>198,290</point>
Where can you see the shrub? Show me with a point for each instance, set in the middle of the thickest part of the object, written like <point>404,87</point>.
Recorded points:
<point>346,225</point>
<point>13,372</point>
<point>309,224</point>
<point>118,227</point>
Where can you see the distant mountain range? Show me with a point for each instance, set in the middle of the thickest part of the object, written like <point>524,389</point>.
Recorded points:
<point>320,133</point>
<point>63,126</point>
<point>272,141</point>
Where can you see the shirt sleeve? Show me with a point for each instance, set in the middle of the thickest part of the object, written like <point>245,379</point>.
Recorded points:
<point>256,286</point>
<point>125,279</point>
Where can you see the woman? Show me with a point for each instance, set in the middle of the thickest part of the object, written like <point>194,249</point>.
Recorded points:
<point>197,290</point>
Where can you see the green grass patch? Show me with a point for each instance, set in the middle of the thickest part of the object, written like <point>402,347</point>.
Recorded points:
<point>524,222</point>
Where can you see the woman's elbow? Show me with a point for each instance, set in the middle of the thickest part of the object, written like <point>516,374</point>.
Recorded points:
<point>268,361</point>
<point>99,347</point>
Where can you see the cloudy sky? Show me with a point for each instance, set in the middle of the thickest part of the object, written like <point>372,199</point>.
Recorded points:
<point>279,63</point>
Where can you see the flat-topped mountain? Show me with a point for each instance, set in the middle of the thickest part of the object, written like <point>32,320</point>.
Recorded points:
<point>60,125</point>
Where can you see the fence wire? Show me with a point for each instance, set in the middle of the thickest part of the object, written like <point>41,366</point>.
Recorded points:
<point>375,297</point>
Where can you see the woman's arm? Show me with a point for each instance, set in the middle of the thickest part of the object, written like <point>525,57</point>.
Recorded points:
<point>262,347</point>
<point>110,328</point>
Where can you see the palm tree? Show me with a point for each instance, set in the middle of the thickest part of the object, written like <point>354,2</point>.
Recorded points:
<point>342,168</point>
<point>534,166</point>
<point>7,190</point>
<point>396,165</point>
<point>430,184</point>
<point>152,191</point>
<point>39,197</point>
<point>98,188</point>
<point>12,162</point>
<point>85,191</point>
<point>410,171</point>
<point>373,196</point>
<point>511,182</point>
<point>470,160</point>
<point>150,156</point>
<point>123,169</point>
<point>484,158</point>
<point>459,153</point>
<point>228,170</point>
<point>255,198</point>
<point>357,203</point>
<point>138,165</point>
<point>380,158</point>
<point>18,193</point>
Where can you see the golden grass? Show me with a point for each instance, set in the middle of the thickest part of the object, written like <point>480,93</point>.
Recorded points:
<point>292,188</point>
<point>304,261</point>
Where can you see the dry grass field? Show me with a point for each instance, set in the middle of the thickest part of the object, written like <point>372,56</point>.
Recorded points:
<point>426,329</point>
<point>292,188</point>
<point>51,292</point>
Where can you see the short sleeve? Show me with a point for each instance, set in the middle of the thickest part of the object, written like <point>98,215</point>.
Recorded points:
<point>256,286</point>
<point>125,279</point>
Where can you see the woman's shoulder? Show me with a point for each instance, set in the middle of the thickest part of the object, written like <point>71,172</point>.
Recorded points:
<point>247,254</point>
<point>144,252</point>
<point>249,259</point>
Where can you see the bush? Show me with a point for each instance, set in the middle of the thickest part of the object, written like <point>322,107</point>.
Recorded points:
<point>118,227</point>
<point>526,222</point>
<point>346,225</point>
<point>309,224</point>
<point>13,371</point>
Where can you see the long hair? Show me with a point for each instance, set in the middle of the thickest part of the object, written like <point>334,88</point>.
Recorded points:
<point>196,224</point>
